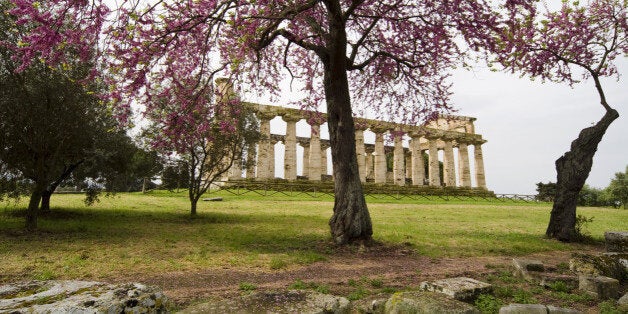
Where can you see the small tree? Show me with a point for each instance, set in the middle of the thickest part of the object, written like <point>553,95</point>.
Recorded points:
<point>175,176</point>
<point>574,43</point>
<point>204,133</point>
<point>618,188</point>
<point>545,191</point>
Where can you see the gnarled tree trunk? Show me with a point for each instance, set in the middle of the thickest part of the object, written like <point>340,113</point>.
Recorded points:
<point>351,221</point>
<point>33,207</point>
<point>573,169</point>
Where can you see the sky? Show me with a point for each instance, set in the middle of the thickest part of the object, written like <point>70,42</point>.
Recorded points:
<point>529,124</point>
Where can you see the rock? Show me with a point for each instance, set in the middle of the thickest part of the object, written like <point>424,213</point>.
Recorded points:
<point>547,279</point>
<point>213,199</point>
<point>370,305</point>
<point>599,286</point>
<point>292,301</point>
<point>534,309</point>
<point>523,309</point>
<point>426,302</point>
<point>602,265</point>
<point>81,297</point>
<point>623,300</point>
<point>558,310</point>
<point>526,268</point>
<point>459,288</point>
<point>616,241</point>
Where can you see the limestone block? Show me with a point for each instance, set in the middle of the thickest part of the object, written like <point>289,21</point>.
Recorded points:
<point>293,301</point>
<point>523,268</point>
<point>426,302</point>
<point>599,286</point>
<point>623,300</point>
<point>523,309</point>
<point>547,279</point>
<point>459,288</point>
<point>70,296</point>
<point>616,241</point>
<point>602,265</point>
<point>557,310</point>
<point>372,305</point>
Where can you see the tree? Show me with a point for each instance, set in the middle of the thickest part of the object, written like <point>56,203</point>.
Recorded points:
<point>175,176</point>
<point>49,121</point>
<point>575,43</point>
<point>391,56</point>
<point>545,191</point>
<point>205,134</point>
<point>618,188</point>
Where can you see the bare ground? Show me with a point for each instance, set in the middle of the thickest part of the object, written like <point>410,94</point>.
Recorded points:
<point>395,266</point>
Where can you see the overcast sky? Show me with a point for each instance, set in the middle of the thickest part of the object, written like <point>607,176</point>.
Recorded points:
<point>529,124</point>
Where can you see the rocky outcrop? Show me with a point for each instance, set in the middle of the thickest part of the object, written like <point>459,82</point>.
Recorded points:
<point>459,288</point>
<point>80,297</point>
<point>292,301</point>
<point>426,302</point>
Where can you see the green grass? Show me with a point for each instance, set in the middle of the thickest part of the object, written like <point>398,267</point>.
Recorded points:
<point>136,233</point>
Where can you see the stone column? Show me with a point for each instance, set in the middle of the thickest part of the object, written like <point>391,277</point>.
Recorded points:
<point>418,170</point>
<point>306,160</point>
<point>408,163</point>
<point>324,159</point>
<point>399,175</point>
<point>314,162</point>
<point>463,165</point>
<point>434,172</point>
<point>360,152</point>
<point>290,155</point>
<point>264,150</point>
<point>369,162</point>
<point>235,172</point>
<point>271,158</point>
<point>449,167</point>
<point>380,157</point>
<point>479,165</point>
<point>250,162</point>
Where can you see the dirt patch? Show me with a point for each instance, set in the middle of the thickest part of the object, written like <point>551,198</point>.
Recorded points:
<point>395,267</point>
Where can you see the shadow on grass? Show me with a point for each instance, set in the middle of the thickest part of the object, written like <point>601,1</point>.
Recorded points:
<point>223,232</point>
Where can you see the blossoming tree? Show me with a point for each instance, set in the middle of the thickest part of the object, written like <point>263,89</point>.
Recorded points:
<point>569,45</point>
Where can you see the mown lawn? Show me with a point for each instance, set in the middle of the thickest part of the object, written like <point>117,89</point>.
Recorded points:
<point>136,233</point>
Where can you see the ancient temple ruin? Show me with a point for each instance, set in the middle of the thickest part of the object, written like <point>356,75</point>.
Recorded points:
<point>451,134</point>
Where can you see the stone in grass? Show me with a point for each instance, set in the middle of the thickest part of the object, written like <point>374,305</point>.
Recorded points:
<point>523,309</point>
<point>534,309</point>
<point>608,265</point>
<point>372,304</point>
<point>616,241</point>
<point>558,310</point>
<point>72,296</point>
<point>426,302</point>
<point>213,199</point>
<point>292,301</point>
<point>599,286</point>
<point>523,268</point>
<point>459,288</point>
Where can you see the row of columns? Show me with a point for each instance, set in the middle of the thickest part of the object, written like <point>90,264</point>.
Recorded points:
<point>371,165</point>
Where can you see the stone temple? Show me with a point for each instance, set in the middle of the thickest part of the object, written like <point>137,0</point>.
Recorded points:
<point>450,134</point>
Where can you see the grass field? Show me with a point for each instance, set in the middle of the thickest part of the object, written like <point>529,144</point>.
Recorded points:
<point>136,233</point>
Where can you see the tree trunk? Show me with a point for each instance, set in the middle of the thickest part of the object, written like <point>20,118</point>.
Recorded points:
<point>573,169</point>
<point>351,221</point>
<point>33,208</point>
<point>45,200</point>
<point>193,203</point>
